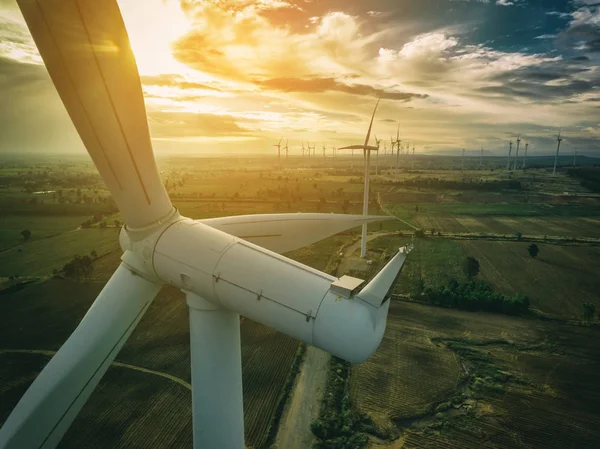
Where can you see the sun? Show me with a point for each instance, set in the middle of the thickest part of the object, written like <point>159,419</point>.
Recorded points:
<point>152,28</point>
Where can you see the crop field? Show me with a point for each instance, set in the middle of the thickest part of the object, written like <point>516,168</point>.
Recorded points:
<point>519,382</point>
<point>39,258</point>
<point>406,374</point>
<point>40,227</point>
<point>557,281</point>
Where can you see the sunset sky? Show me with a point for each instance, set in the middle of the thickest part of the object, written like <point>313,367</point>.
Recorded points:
<point>236,75</point>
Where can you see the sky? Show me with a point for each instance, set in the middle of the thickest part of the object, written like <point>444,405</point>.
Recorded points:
<point>223,76</point>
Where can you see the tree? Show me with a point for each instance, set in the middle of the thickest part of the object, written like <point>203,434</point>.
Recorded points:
<point>518,235</point>
<point>471,267</point>
<point>26,233</point>
<point>533,250</point>
<point>94,254</point>
<point>589,309</point>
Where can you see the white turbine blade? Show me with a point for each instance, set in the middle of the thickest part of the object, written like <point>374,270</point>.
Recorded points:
<point>371,124</point>
<point>352,147</point>
<point>285,232</point>
<point>377,290</point>
<point>52,402</point>
<point>86,50</point>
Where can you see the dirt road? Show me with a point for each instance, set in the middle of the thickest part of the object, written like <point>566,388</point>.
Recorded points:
<point>304,404</point>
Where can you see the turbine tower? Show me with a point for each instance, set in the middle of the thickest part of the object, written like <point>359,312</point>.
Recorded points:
<point>286,149</point>
<point>367,157</point>
<point>302,148</point>
<point>509,153</point>
<point>221,274</point>
<point>398,147</point>
<point>481,160</point>
<point>525,156</point>
<point>279,151</point>
<point>558,141</point>
<point>377,143</point>
<point>517,153</point>
<point>323,150</point>
<point>463,159</point>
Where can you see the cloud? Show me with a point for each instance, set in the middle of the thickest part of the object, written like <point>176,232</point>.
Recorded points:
<point>174,80</point>
<point>330,84</point>
<point>182,124</point>
<point>504,3</point>
<point>583,33</point>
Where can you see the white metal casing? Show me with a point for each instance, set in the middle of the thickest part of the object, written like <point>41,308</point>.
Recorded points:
<point>268,288</point>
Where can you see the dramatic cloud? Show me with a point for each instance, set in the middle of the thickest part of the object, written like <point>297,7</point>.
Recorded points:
<point>452,73</point>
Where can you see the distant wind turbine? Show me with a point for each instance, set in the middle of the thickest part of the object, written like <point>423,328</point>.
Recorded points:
<point>367,157</point>
<point>279,151</point>
<point>525,157</point>
<point>286,148</point>
<point>463,159</point>
<point>323,150</point>
<point>481,160</point>
<point>558,140</point>
<point>302,148</point>
<point>509,153</point>
<point>398,142</point>
<point>377,143</point>
<point>517,153</point>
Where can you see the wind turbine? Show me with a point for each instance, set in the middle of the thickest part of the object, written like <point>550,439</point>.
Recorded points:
<point>323,150</point>
<point>367,157</point>
<point>481,160</point>
<point>222,275</point>
<point>302,148</point>
<point>413,158</point>
<point>463,159</point>
<point>525,156</point>
<point>377,143</point>
<point>279,151</point>
<point>558,140</point>
<point>509,153</point>
<point>398,147</point>
<point>286,149</point>
<point>517,153</point>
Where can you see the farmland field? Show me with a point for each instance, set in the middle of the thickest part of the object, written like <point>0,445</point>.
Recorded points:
<point>486,380</point>
<point>558,280</point>
<point>39,258</point>
<point>41,227</point>
<point>441,378</point>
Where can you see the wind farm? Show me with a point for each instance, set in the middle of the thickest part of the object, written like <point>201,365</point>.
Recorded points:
<point>276,284</point>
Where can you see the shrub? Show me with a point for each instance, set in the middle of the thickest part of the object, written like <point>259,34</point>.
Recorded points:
<point>471,267</point>
<point>533,250</point>
<point>474,296</point>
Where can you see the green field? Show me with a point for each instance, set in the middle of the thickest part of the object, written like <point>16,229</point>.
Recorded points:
<point>39,258</point>
<point>40,227</point>
<point>441,378</point>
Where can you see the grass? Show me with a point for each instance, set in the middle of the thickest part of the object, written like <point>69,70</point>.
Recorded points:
<point>39,258</point>
<point>40,227</point>
<point>557,282</point>
<point>436,261</point>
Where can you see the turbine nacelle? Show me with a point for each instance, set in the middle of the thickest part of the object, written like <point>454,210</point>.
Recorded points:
<point>266,287</point>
